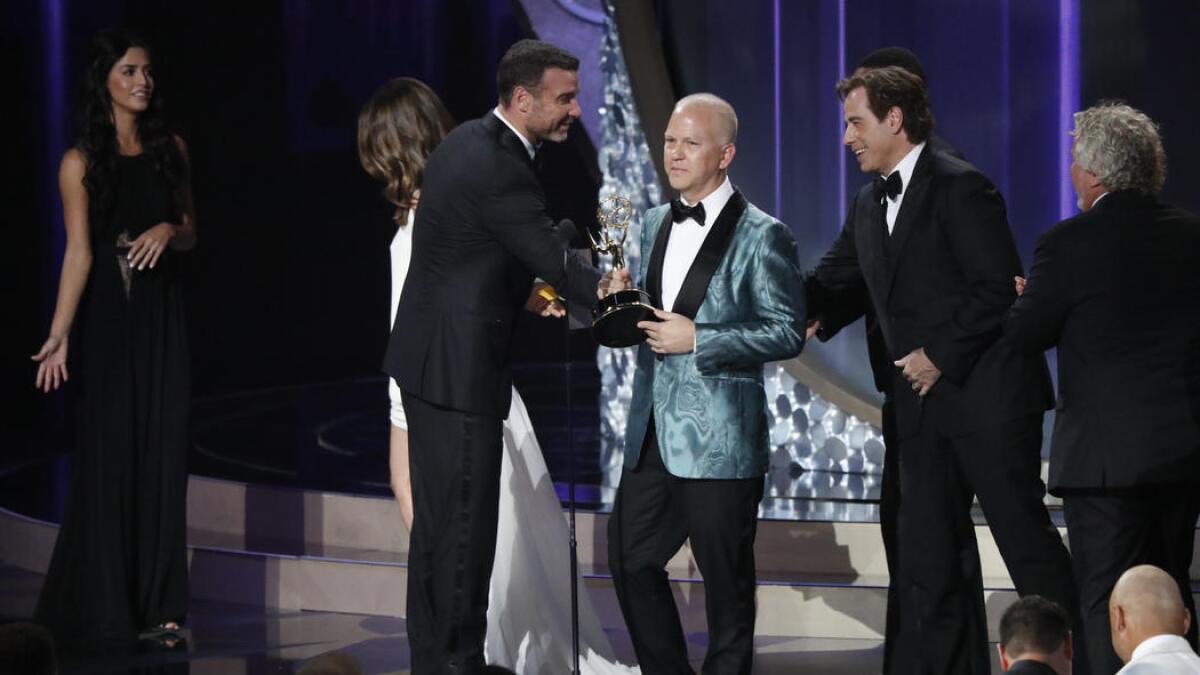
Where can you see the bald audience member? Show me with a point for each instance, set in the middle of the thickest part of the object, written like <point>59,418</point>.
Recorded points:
<point>1035,638</point>
<point>1149,620</point>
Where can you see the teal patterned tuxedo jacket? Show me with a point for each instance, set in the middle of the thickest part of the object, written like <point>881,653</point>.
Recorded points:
<point>746,295</point>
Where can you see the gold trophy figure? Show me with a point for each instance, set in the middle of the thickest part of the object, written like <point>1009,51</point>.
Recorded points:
<point>615,316</point>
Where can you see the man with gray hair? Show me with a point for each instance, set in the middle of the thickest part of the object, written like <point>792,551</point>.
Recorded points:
<point>1115,288</point>
<point>1148,624</point>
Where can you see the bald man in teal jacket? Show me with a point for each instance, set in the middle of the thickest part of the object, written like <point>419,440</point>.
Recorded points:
<point>696,445</point>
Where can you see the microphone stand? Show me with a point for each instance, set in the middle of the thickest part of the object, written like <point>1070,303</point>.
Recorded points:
<point>567,232</point>
<point>571,508</point>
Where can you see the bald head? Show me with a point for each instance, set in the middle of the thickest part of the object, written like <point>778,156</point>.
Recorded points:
<point>699,145</point>
<point>717,111</point>
<point>1145,602</point>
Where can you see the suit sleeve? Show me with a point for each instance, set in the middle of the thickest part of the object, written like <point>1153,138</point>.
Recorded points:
<point>976,228</point>
<point>516,217</point>
<point>777,332</point>
<point>836,289</point>
<point>1036,319</point>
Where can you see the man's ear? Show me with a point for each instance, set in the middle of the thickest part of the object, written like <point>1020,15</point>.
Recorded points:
<point>1116,617</point>
<point>895,119</point>
<point>727,153</point>
<point>522,98</point>
<point>1004,662</point>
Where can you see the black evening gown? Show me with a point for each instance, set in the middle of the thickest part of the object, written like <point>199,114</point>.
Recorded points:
<point>120,562</point>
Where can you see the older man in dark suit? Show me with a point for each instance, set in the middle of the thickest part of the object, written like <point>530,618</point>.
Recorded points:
<point>929,245</point>
<point>481,236</point>
<point>1116,289</point>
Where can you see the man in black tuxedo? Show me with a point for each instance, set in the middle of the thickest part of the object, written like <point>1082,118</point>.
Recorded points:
<point>481,236</point>
<point>928,243</point>
<point>894,649</point>
<point>1115,289</point>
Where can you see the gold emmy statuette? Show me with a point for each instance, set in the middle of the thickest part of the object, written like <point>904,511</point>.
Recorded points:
<point>615,316</point>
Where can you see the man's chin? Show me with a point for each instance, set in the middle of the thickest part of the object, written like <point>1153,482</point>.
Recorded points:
<point>558,135</point>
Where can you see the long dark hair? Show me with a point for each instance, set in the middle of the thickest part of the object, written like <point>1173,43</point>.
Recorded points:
<point>398,129</point>
<point>96,133</point>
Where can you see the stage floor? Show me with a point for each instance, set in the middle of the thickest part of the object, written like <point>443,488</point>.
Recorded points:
<point>333,437</point>
<point>234,639</point>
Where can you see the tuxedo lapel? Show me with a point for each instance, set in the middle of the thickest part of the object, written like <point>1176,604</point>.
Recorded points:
<point>653,279</point>
<point>695,284</point>
<point>506,138</point>
<point>912,207</point>
<point>873,224</point>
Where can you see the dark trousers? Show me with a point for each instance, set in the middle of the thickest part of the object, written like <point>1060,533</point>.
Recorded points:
<point>940,476</point>
<point>454,458</point>
<point>899,653</point>
<point>653,515</point>
<point>1113,530</point>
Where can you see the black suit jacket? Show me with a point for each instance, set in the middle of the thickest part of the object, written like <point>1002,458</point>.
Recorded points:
<point>1117,289</point>
<point>848,312</point>
<point>481,236</point>
<point>942,281</point>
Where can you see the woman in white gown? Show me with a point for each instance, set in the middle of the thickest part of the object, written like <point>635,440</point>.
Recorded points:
<point>529,607</point>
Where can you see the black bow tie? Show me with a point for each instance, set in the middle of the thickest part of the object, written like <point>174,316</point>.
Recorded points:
<point>889,187</point>
<point>680,213</point>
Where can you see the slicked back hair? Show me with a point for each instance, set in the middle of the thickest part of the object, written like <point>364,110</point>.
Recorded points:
<point>524,64</point>
<point>893,86</point>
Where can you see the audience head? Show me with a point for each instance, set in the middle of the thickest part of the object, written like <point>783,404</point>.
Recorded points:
<point>1035,629</point>
<point>332,663</point>
<point>539,89</point>
<point>892,56</point>
<point>398,129</point>
<point>1144,603</point>
<point>1116,148</point>
<point>26,648</point>
<point>887,112</point>
<point>699,144</point>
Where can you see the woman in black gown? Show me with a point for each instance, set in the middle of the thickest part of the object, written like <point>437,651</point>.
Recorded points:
<point>120,564</point>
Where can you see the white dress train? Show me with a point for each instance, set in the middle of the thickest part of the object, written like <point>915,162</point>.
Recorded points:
<point>529,600</point>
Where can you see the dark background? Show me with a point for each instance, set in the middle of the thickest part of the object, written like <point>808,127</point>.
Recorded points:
<point>289,283</point>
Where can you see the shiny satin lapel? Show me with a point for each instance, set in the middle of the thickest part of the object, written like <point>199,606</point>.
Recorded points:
<point>508,139</point>
<point>653,279</point>
<point>695,284</point>
<point>913,206</point>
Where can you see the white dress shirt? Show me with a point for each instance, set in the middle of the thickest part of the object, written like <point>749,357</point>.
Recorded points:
<point>905,167</point>
<point>529,147</point>
<point>685,241</point>
<point>401,255</point>
<point>1163,655</point>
